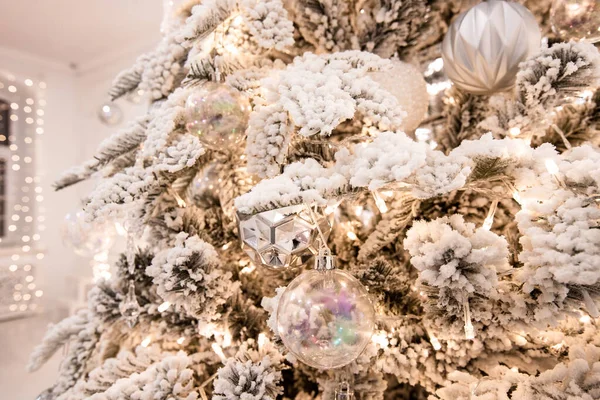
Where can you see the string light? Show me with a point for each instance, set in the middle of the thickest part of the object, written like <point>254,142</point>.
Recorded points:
<point>248,269</point>
<point>435,342</point>
<point>219,351</point>
<point>146,342</point>
<point>380,339</point>
<point>351,235</point>
<point>489,219</point>
<point>380,202</point>
<point>585,319</point>
<point>164,306</point>
<point>552,168</point>
<point>469,329</point>
<point>435,66</point>
<point>227,339</point>
<point>262,340</point>
<point>180,340</point>
<point>514,131</point>
<point>24,228</point>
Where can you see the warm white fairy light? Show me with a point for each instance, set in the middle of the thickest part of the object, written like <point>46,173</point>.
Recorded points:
<point>248,269</point>
<point>380,202</point>
<point>351,235</point>
<point>435,66</point>
<point>164,306</point>
<point>262,340</point>
<point>553,170</point>
<point>219,351</point>
<point>227,338</point>
<point>489,219</point>
<point>146,342</point>
<point>180,340</point>
<point>585,319</point>
<point>380,338</point>
<point>26,112</point>
<point>469,328</point>
<point>435,342</point>
<point>514,131</point>
<point>435,88</point>
<point>551,166</point>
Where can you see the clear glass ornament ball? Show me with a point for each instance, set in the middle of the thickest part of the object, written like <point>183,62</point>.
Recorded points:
<point>218,114</point>
<point>84,238</point>
<point>325,318</point>
<point>110,114</point>
<point>576,19</point>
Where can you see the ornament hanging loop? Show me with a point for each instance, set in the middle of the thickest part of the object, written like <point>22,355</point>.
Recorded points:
<point>325,260</point>
<point>344,391</point>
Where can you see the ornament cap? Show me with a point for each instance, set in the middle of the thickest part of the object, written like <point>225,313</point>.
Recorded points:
<point>325,261</point>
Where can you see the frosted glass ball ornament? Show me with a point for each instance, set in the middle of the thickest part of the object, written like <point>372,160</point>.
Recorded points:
<point>84,238</point>
<point>218,114</point>
<point>325,318</point>
<point>282,238</point>
<point>576,19</point>
<point>484,46</point>
<point>110,114</point>
<point>407,84</point>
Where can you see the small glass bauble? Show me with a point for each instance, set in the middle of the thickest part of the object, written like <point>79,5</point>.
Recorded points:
<point>407,84</point>
<point>206,187</point>
<point>110,114</point>
<point>325,318</point>
<point>85,238</point>
<point>218,114</point>
<point>284,237</point>
<point>576,19</point>
<point>484,46</point>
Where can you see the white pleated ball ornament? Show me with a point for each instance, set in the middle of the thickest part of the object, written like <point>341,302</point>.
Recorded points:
<point>484,46</point>
<point>407,84</point>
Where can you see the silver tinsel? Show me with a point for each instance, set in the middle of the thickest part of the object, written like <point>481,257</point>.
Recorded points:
<point>484,46</point>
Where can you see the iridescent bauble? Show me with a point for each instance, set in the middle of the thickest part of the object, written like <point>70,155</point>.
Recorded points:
<point>282,238</point>
<point>206,187</point>
<point>218,114</point>
<point>85,238</point>
<point>576,19</point>
<point>110,114</point>
<point>484,46</point>
<point>408,86</point>
<point>325,318</point>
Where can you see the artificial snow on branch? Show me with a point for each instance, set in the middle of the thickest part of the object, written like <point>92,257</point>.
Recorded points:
<point>457,258</point>
<point>564,69</point>
<point>189,276</point>
<point>248,380</point>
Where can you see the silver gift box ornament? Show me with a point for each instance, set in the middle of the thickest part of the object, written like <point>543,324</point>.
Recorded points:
<point>282,238</point>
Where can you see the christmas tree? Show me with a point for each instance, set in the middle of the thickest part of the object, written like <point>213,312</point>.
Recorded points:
<point>335,199</point>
